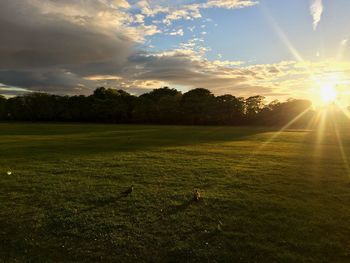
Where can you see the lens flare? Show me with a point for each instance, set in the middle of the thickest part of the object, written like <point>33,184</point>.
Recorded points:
<point>328,94</point>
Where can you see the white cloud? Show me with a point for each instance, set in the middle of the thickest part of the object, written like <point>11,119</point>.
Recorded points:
<point>179,32</point>
<point>139,18</point>
<point>191,28</point>
<point>229,4</point>
<point>190,11</point>
<point>187,12</point>
<point>117,3</point>
<point>148,10</point>
<point>316,10</point>
<point>344,42</point>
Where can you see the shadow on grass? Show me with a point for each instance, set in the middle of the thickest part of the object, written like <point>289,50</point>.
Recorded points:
<point>69,140</point>
<point>105,202</point>
<point>179,208</point>
<point>182,207</point>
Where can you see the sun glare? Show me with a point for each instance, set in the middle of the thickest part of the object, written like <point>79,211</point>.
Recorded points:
<point>328,94</point>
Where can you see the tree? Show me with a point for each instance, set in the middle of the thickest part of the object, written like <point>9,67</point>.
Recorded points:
<point>197,106</point>
<point>162,106</point>
<point>41,106</point>
<point>18,109</point>
<point>230,110</point>
<point>254,104</point>
<point>111,105</point>
<point>2,108</point>
<point>80,108</point>
<point>277,113</point>
<point>158,106</point>
<point>253,107</point>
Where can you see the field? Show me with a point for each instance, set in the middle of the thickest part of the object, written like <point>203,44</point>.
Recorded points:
<point>267,197</point>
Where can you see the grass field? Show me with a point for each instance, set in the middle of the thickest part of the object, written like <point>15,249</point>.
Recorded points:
<point>283,201</point>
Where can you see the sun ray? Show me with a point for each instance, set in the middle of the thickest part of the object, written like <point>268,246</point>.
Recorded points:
<point>284,38</point>
<point>313,122</point>
<point>342,49</point>
<point>281,34</point>
<point>321,126</point>
<point>341,147</point>
<point>278,133</point>
<point>345,111</point>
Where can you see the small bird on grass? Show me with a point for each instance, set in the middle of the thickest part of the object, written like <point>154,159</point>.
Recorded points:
<point>219,226</point>
<point>128,191</point>
<point>196,195</point>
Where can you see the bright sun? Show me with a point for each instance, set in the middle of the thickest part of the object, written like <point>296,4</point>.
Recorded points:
<point>328,93</point>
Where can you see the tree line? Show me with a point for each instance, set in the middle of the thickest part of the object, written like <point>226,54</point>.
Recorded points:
<point>160,106</point>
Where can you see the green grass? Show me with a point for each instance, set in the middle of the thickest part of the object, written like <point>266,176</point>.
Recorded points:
<point>288,201</point>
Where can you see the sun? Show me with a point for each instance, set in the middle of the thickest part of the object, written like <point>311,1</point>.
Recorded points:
<point>328,93</point>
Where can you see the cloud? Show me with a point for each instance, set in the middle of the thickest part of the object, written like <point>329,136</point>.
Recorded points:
<point>150,10</point>
<point>12,91</point>
<point>188,11</point>
<point>316,10</point>
<point>50,45</point>
<point>48,32</point>
<point>187,68</point>
<point>344,42</point>
<point>229,4</point>
<point>179,32</point>
<point>54,81</point>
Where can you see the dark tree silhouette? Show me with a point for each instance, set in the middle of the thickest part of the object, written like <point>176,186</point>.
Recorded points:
<point>160,106</point>
<point>230,110</point>
<point>198,107</point>
<point>277,113</point>
<point>109,105</point>
<point>2,107</point>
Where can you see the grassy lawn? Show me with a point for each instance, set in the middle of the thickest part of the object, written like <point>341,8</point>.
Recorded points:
<point>285,201</point>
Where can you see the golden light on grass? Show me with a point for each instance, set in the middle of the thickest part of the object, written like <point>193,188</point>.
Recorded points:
<point>329,121</point>
<point>341,147</point>
<point>279,132</point>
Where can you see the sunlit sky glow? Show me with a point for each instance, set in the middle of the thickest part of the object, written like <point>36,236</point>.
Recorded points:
<point>275,48</point>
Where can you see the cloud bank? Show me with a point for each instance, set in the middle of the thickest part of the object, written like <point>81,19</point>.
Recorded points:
<point>73,46</point>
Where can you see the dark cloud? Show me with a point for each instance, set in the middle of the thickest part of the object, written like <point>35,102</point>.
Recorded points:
<point>57,81</point>
<point>181,69</point>
<point>40,49</point>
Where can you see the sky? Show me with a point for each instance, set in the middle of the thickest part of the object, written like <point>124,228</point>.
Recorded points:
<point>276,48</point>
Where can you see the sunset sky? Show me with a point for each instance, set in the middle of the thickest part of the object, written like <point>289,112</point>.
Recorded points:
<point>275,48</point>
